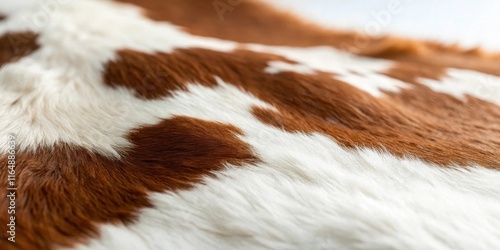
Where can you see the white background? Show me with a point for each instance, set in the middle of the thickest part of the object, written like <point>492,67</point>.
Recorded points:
<point>469,23</point>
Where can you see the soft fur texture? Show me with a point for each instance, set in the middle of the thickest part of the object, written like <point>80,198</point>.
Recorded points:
<point>139,126</point>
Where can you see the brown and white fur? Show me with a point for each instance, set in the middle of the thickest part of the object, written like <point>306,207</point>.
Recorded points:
<point>155,125</point>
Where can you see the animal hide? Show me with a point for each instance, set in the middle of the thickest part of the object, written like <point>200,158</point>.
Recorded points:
<point>190,124</point>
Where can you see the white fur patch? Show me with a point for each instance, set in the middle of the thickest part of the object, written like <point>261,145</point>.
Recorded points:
<point>461,82</point>
<point>310,193</point>
<point>276,67</point>
<point>360,72</point>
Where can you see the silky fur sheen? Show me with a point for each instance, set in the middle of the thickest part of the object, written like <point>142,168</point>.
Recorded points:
<point>155,125</point>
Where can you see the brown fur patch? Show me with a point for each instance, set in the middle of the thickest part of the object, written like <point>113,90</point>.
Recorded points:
<point>254,21</point>
<point>410,72</point>
<point>155,76</point>
<point>415,122</point>
<point>433,55</point>
<point>65,192</point>
<point>14,46</point>
<point>443,106</point>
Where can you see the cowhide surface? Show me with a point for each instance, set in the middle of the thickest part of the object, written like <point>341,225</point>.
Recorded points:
<point>193,124</point>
